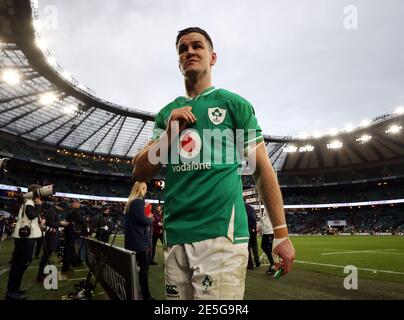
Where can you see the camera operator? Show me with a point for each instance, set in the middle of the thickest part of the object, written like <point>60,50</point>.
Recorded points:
<point>103,225</point>
<point>27,229</point>
<point>51,238</point>
<point>74,225</point>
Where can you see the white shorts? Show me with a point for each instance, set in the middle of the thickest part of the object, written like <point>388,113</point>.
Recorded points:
<point>209,269</point>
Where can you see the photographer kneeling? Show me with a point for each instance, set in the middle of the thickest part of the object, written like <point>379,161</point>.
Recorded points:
<point>27,230</point>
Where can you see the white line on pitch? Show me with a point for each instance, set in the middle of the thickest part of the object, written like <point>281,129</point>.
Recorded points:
<point>335,249</point>
<point>359,251</point>
<point>339,266</point>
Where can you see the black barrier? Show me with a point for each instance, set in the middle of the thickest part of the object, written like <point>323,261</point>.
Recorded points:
<point>114,268</point>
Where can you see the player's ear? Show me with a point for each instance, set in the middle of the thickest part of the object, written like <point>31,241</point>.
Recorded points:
<point>213,59</point>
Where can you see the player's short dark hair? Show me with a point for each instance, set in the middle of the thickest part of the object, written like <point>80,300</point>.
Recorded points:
<point>191,30</point>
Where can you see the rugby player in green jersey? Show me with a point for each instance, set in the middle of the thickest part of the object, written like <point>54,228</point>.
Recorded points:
<point>205,224</point>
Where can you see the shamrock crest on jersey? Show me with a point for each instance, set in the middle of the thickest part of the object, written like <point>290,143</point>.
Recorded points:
<point>216,115</point>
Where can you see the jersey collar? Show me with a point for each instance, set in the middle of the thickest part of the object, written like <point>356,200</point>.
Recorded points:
<point>203,93</point>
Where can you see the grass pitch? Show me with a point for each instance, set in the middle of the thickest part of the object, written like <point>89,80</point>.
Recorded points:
<point>318,272</point>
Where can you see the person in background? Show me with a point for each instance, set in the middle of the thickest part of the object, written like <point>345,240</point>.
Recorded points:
<point>9,228</point>
<point>137,237</point>
<point>15,207</point>
<point>51,238</point>
<point>2,227</point>
<point>103,225</point>
<point>252,243</point>
<point>149,213</point>
<point>157,231</point>
<point>267,240</point>
<point>74,223</point>
<point>86,232</point>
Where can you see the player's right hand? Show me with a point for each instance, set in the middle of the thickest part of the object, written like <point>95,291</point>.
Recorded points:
<point>183,116</point>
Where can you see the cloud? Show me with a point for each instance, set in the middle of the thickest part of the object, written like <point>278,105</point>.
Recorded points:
<point>292,59</point>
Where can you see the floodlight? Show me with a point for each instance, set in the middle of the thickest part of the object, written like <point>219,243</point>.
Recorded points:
<point>363,139</point>
<point>47,98</point>
<point>70,109</point>
<point>336,144</point>
<point>290,149</point>
<point>11,77</point>
<point>394,129</point>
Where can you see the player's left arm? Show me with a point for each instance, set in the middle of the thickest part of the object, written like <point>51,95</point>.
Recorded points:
<point>270,193</point>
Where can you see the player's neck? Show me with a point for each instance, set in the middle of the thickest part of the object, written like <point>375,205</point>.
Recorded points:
<point>195,88</point>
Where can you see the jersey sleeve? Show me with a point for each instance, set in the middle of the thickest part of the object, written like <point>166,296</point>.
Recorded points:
<point>159,126</point>
<point>247,125</point>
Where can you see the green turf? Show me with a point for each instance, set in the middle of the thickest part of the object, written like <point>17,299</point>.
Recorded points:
<point>367,252</point>
<point>307,281</point>
<point>321,281</point>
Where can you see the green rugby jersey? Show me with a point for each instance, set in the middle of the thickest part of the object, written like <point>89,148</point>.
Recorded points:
<point>203,193</point>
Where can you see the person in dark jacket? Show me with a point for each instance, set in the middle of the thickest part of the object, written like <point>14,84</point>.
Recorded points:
<point>51,238</point>
<point>103,225</point>
<point>86,232</point>
<point>74,224</point>
<point>157,230</point>
<point>252,243</point>
<point>137,235</point>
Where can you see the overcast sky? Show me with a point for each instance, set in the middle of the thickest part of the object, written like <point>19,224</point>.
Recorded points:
<point>294,60</point>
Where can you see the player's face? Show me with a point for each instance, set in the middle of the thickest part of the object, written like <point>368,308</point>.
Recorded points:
<point>195,54</point>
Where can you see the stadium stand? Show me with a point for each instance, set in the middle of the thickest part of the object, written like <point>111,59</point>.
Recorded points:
<point>380,219</point>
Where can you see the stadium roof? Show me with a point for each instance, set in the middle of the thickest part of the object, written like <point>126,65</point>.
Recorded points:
<point>77,119</point>
<point>379,144</point>
<point>41,102</point>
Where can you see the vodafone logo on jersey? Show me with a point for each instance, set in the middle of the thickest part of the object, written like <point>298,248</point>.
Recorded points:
<point>190,144</point>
